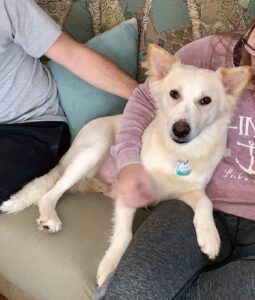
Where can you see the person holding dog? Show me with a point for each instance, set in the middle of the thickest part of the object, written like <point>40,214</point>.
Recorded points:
<point>163,261</point>
<point>33,127</point>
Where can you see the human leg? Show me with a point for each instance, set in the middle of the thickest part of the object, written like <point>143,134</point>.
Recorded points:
<point>236,278</point>
<point>27,151</point>
<point>163,257</point>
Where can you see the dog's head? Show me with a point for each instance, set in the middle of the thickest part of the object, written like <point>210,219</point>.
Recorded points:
<point>190,99</point>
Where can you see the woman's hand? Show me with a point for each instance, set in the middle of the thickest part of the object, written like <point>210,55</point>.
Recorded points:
<point>135,187</point>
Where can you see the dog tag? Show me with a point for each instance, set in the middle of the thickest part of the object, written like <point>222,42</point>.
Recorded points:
<point>182,168</point>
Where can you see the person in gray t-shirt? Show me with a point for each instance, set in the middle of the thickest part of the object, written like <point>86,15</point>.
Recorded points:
<point>33,129</point>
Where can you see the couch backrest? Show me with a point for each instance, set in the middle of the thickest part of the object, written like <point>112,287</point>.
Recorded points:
<point>73,16</point>
<point>168,23</point>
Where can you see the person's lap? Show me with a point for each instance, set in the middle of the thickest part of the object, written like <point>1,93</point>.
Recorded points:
<point>235,279</point>
<point>29,150</point>
<point>164,261</point>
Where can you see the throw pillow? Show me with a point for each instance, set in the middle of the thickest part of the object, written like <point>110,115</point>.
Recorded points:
<point>214,16</point>
<point>83,102</point>
<point>79,22</point>
<point>108,13</point>
<point>166,23</point>
<point>57,9</point>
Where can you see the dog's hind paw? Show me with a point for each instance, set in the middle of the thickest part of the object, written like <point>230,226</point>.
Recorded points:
<point>12,206</point>
<point>208,239</point>
<point>50,223</point>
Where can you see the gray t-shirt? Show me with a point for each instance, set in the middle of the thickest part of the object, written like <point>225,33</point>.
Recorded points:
<point>28,91</point>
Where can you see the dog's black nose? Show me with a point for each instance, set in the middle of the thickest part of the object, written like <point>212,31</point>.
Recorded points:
<point>181,129</point>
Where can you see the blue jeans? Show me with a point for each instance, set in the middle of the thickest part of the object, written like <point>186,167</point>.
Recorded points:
<point>163,261</point>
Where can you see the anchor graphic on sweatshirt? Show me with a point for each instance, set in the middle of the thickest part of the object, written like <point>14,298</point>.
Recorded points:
<point>251,148</point>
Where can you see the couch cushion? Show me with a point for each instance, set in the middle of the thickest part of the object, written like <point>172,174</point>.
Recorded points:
<point>83,102</point>
<point>56,266</point>
<point>62,265</point>
<point>11,292</point>
<point>213,16</point>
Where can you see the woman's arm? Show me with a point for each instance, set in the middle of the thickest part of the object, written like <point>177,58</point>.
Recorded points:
<point>138,114</point>
<point>135,187</point>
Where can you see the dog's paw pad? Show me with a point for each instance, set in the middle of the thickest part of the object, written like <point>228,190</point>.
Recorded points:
<point>50,225</point>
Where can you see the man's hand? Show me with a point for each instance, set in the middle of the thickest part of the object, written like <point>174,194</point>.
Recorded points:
<point>135,187</point>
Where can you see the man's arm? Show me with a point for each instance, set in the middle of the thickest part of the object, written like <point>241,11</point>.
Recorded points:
<point>91,66</point>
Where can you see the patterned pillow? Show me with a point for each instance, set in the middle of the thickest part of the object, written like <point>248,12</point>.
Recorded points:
<point>164,22</point>
<point>78,22</point>
<point>57,9</point>
<point>212,16</point>
<point>108,13</point>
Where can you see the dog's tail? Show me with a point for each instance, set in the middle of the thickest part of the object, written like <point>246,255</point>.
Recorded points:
<point>31,192</point>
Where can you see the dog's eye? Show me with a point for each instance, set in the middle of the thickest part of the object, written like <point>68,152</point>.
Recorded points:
<point>205,101</point>
<point>174,94</point>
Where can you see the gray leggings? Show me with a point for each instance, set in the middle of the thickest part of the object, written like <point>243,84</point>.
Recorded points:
<point>164,261</point>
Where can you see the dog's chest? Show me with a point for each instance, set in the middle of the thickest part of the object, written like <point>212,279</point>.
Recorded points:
<point>173,175</point>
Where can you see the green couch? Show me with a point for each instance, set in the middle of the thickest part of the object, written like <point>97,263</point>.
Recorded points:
<point>62,266</point>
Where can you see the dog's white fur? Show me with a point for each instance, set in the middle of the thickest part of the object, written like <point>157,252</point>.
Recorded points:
<point>204,147</point>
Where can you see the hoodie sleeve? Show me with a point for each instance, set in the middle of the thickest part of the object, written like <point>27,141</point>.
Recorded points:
<point>138,114</point>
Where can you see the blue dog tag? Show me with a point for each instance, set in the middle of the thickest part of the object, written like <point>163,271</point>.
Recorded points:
<point>182,168</point>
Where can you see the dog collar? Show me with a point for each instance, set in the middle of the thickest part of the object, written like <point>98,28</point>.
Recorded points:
<point>182,168</point>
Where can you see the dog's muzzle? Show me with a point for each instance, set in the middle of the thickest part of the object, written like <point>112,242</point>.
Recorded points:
<point>181,130</point>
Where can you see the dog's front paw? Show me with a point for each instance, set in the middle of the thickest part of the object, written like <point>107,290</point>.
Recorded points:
<point>49,222</point>
<point>208,237</point>
<point>107,265</point>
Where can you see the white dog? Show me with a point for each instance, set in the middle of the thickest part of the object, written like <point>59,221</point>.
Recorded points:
<point>181,148</point>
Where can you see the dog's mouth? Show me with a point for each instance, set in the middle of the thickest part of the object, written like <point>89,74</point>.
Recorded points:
<point>180,141</point>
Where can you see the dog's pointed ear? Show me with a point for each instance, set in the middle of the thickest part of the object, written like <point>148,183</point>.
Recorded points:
<point>235,80</point>
<point>159,62</point>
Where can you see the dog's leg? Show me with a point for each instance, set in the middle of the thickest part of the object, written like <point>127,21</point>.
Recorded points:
<point>31,192</point>
<point>122,234</point>
<point>207,233</point>
<point>80,167</point>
